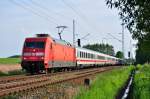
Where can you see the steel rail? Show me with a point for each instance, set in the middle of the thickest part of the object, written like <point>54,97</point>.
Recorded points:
<point>44,81</point>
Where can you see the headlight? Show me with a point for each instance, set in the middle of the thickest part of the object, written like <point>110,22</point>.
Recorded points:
<point>39,54</point>
<point>27,54</point>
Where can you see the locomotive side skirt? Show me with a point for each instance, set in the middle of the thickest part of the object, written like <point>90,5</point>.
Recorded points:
<point>62,64</point>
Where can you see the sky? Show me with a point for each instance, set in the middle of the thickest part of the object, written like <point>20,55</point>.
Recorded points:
<point>25,18</point>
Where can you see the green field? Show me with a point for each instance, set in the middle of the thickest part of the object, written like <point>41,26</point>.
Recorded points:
<point>9,60</point>
<point>141,83</point>
<point>106,85</point>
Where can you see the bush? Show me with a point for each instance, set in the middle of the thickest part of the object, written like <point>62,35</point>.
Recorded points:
<point>141,83</point>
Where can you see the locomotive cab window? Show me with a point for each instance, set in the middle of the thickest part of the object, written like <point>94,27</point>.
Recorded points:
<point>34,44</point>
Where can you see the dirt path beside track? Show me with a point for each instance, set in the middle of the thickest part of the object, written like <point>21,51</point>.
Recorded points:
<point>9,67</point>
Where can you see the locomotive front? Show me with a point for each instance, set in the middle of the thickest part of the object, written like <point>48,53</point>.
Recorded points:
<point>33,55</point>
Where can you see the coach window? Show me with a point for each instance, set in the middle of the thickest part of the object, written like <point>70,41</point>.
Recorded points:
<point>94,56</point>
<point>99,57</point>
<point>108,58</point>
<point>82,54</point>
<point>86,55</point>
<point>78,54</point>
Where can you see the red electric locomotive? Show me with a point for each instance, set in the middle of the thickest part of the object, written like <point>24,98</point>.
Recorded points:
<point>42,53</point>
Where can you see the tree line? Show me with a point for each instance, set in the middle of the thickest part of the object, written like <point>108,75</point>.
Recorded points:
<point>135,14</point>
<point>104,48</point>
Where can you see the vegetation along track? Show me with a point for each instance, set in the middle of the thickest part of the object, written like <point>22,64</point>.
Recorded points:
<point>30,82</point>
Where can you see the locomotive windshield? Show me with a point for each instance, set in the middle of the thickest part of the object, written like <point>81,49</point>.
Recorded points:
<point>34,44</point>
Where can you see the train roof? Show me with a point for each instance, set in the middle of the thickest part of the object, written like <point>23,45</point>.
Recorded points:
<point>63,42</point>
<point>91,51</point>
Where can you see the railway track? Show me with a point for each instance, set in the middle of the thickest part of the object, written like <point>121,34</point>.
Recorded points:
<point>22,83</point>
<point>11,79</point>
<point>17,78</point>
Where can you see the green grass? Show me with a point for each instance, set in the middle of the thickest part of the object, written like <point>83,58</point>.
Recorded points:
<point>9,60</point>
<point>11,73</point>
<point>141,83</point>
<point>3,74</point>
<point>106,85</point>
<point>10,97</point>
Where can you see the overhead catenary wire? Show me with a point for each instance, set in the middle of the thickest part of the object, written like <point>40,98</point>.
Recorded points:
<point>65,18</point>
<point>114,37</point>
<point>39,11</point>
<point>81,15</point>
<point>33,11</point>
<point>41,14</point>
<point>48,10</point>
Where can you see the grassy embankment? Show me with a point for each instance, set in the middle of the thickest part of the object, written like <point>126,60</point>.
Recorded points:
<point>10,61</point>
<point>106,85</point>
<point>141,83</point>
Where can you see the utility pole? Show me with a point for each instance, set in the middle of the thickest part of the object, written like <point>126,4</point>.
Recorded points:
<point>60,31</point>
<point>74,43</point>
<point>123,51</point>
